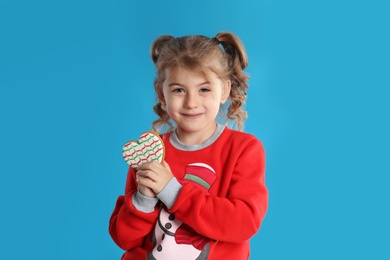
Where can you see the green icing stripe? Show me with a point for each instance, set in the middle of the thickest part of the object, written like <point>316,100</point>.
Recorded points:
<point>151,149</point>
<point>134,158</point>
<point>136,166</point>
<point>147,140</point>
<point>196,179</point>
<point>137,144</point>
<point>133,146</point>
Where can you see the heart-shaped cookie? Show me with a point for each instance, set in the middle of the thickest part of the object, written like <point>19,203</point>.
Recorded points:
<point>150,147</point>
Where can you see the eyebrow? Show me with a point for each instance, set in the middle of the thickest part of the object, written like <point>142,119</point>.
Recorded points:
<point>181,85</point>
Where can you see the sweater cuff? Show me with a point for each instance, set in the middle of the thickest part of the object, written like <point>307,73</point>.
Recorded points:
<point>144,203</point>
<point>170,192</point>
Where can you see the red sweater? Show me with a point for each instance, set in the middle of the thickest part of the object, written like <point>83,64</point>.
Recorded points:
<point>219,202</point>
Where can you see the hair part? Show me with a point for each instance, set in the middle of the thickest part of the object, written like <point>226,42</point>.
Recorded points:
<point>223,55</point>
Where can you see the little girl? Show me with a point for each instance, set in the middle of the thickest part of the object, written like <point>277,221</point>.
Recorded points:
<point>208,198</point>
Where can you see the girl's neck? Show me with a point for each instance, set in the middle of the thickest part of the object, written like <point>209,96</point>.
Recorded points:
<point>191,138</point>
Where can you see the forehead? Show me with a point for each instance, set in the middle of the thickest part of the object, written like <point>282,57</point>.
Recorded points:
<point>187,75</point>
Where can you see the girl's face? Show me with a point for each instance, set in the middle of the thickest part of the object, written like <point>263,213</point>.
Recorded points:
<point>193,102</point>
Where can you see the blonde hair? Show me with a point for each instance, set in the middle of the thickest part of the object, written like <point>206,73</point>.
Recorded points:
<point>224,55</point>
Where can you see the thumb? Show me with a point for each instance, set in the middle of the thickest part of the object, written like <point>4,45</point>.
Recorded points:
<point>166,165</point>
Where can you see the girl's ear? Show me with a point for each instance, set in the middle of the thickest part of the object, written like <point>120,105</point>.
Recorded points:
<point>227,85</point>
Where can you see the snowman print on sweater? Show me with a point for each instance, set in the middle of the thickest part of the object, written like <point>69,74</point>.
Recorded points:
<point>173,239</point>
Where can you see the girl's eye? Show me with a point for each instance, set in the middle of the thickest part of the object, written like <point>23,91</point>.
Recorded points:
<point>178,90</point>
<point>205,90</point>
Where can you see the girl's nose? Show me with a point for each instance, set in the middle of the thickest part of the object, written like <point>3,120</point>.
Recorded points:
<point>191,100</point>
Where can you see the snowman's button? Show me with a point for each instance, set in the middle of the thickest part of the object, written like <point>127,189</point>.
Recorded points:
<point>159,248</point>
<point>168,225</point>
<point>171,217</point>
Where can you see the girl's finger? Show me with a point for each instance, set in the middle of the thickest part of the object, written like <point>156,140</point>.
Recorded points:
<point>147,183</point>
<point>147,174</point>
<point>146,166</point>
<point>166,165</point>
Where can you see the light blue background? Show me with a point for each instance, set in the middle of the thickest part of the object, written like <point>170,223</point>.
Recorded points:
<point>76,84</point>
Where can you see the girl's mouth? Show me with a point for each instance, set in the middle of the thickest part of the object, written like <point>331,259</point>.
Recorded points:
<point>192,116</point>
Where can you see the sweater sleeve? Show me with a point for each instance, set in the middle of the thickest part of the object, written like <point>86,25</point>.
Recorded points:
<point>234,218</point>
<point>129,223</point>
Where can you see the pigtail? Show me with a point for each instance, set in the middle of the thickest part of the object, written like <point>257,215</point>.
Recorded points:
<point>237,62</point>
<point>157,45</point>
<point>159,109</point>
<point>163,117</point>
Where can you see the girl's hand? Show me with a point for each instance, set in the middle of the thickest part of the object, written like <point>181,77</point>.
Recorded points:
<point>154,175</point>
<point>145,190</point>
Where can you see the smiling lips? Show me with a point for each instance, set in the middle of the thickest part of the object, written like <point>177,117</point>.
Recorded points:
<point>192,116</point>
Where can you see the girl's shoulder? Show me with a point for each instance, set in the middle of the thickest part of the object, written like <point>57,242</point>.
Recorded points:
<point>238,136</point>
<point>241,142</point>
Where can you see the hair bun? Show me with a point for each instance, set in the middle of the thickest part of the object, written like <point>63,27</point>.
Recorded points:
<point>157,45</point>
<point>234,48</point>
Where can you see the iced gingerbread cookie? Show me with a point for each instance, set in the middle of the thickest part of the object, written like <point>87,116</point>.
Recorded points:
<point>150,147</point>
